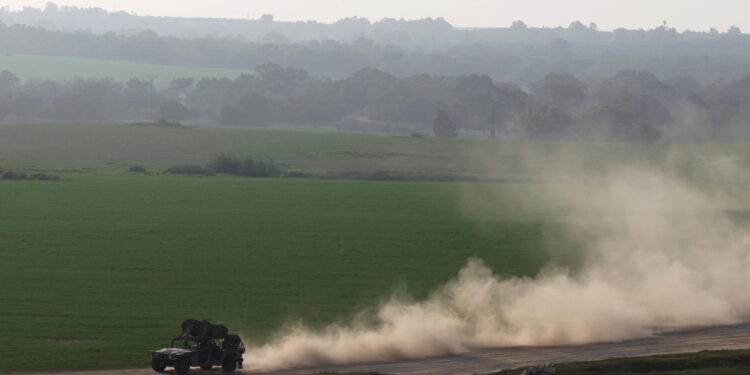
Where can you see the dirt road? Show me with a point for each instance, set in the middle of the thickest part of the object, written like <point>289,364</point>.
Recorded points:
<point>489,360</point>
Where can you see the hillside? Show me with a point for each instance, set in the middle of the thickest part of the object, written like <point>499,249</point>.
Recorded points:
<point>61,68</point>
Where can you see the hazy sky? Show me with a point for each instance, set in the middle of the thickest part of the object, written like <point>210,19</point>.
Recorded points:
<point>608,14</point>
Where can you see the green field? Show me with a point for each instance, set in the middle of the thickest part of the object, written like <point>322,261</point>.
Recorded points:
<point>115,147</point>
<point>60,68</point>
<point>101,267</point>
<point>98,269</point>
<point>112,147</point>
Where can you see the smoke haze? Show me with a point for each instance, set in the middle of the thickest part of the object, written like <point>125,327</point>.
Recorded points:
<point>657,252</point>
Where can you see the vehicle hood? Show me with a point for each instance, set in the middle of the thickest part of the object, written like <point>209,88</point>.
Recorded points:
<point>173,352</point>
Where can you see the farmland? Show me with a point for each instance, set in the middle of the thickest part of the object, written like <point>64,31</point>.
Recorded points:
<point>298,189</point>
<point>101,267</point>
<point>61,68</point>
<point>113,148</point>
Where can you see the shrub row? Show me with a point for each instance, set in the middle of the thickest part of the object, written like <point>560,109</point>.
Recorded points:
<point>23,176</point>
<point>189,169</point>
<point>230,164</point>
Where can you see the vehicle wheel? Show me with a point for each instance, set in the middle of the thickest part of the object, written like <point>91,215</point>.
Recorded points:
<point>157,365</point>
<point>229,364</point>
<point>182,366</point>
<point>206,367</point>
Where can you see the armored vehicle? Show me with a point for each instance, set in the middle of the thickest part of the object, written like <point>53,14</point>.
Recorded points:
<point>185,353</point>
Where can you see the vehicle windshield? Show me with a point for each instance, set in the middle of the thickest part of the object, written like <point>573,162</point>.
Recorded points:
<point>188,343</point>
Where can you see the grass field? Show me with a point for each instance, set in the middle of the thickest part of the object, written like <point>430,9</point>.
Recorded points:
<point>60,68</point>
<point>115,147</point>
<point>104,147</point>
<point>98,269</point>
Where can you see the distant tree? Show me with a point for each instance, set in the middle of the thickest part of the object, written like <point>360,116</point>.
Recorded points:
<point>173,111</point>
<point>86,100</point>
<point>248,167</point>
<point>560,90</point>
<point>232,115</point>
<point>181,84</point>
<point>320,108</point>
<point>225,163</point>
<point>577,26</point>
<point>545,122</point>
<point>511,104</point>
<point>8,83</point>
<point>4,109</point>
<point>137,93</point>
<point>366,86</point>
<point>635,104</point>
<point>27,105</point>
<point>478,97</point>
<point>274,37</point>
<point>251,109</point>
<point>258,109</point>
<point>189,169</point>
<point>729,104</point>
<point>51,8</point>
<point>8,86</point>
<point>518,25</point>
<point>443,126</point>
<point>259,168</point>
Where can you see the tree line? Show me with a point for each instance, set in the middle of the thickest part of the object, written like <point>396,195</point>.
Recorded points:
<point>629,105</point>
<point>518,54</point>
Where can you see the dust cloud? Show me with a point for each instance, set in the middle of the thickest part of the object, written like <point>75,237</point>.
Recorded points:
<point>659,252</point>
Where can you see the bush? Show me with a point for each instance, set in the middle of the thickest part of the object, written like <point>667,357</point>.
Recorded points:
<point>259,168</point>
<point>22,176</point>
<point>44,177</point>
<point>137,168</point>
<point>230,164</point>
<point>13,175</point>
<point>225,163</point>
<point>248,167</point>
<point>188,169</point>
